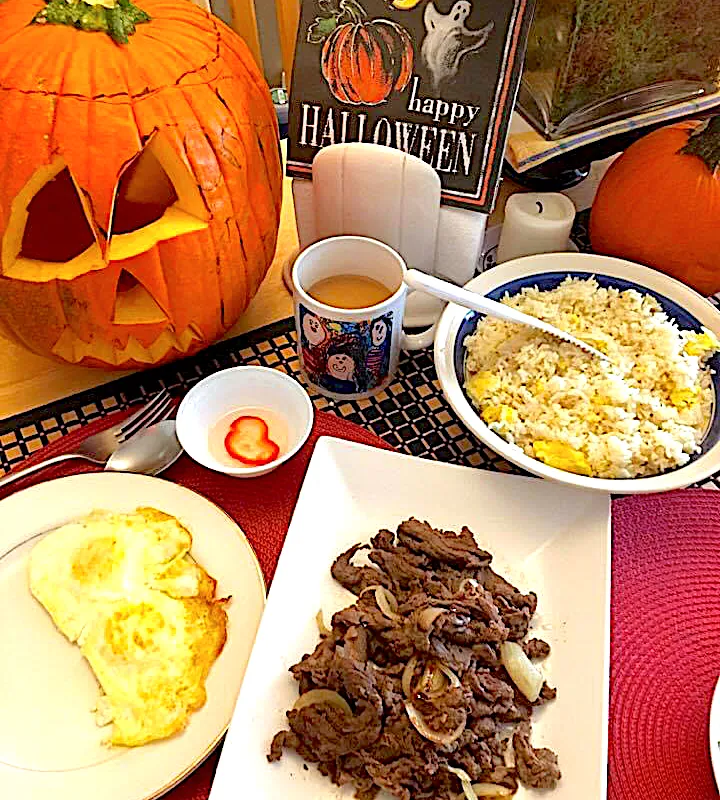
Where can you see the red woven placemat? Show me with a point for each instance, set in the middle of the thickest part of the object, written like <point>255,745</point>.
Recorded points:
<point>665,612</point>
<point>261,506</point>
<point>665,645</point>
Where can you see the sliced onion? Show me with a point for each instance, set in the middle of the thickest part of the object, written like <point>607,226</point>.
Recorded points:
<point>322,627</point>
<point>466,581</point>
<point>370,588</point>
<point>427,617</point>
<point>464,777</point>
<point>438,682</point>
<point>473,791</point>
<point>387,602</point>
<point>453,678</point>
<point>466,782</point>
<point>523,673</point>
<point>491,790</point>
<point>506,730</point>
<point>407,676</point>
<point>385,599</point>
<point>322,697</point>
<point>424,730</point>
<point>432,682</point>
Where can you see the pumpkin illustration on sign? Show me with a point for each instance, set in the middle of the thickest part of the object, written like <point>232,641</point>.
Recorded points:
<point>141,188</point>
<point>363,61</point>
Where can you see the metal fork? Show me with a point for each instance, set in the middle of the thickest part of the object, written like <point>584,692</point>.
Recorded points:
<point>100,446</point>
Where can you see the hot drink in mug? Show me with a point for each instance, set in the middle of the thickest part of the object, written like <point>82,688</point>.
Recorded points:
<point>349,299</point>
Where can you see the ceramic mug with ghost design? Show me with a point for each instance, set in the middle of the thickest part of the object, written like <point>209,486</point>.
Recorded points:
<point>351,353</point>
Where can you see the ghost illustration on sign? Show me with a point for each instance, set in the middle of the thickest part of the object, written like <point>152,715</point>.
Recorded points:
<point>447,41</point>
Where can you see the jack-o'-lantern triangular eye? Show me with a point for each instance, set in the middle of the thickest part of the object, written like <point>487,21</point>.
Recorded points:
<point>144,194</point>
<point>50,233</point>
<point>156,198</point>
<point>56,229</point>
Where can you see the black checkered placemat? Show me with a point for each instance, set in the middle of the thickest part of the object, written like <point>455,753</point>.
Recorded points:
<point>412,414</point>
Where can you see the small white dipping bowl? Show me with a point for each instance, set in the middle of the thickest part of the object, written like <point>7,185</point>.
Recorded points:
<point>231,390</point>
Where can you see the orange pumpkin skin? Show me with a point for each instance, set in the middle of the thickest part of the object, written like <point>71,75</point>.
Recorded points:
<point>363,62</point>
<point>660,207</point>
<point>78,99</point>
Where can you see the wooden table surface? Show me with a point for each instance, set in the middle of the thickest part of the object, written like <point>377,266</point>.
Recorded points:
<point>28,380</point>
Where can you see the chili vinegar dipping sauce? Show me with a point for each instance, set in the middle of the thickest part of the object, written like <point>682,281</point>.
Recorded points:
<point>245,421</point>
<point>251,440</point>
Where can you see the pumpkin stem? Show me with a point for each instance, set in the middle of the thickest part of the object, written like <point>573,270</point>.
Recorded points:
<point>332,14</point>
<point>353,10</point>
<point>117,18</point>
<point>705,144</point>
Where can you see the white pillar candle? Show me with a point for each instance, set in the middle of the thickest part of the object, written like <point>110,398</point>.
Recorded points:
<point>535,223</point>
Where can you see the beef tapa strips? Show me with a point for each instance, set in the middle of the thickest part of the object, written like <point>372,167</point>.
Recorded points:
<point>411,677</point>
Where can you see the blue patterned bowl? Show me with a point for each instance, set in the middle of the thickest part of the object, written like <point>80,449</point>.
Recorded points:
<point>547,271</point>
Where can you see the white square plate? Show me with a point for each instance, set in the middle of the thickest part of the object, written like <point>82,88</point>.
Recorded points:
<point>545,537</point>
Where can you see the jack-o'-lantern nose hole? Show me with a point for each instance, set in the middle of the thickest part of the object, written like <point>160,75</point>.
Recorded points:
<point>134,304</point>
<point>57,229</point>
<point>144,194</point>
<point>126,282</point>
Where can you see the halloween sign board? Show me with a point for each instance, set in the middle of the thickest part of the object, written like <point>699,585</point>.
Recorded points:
<point>435,78</point>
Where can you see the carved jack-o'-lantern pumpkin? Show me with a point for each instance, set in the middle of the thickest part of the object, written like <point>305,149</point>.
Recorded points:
<point>140,183</point>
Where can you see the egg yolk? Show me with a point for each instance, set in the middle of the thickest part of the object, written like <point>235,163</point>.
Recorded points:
<point>539,386</point>
<point>482,384</point>
<point>598,344</point>
<point>682,398</point>
<point>562,456</point>
<point>699,344</point>
<point>501,413</point>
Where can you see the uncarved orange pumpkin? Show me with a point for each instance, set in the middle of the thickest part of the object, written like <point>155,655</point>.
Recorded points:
<point>364,62</point>
<point>140,185</point>
<point>659,204</point>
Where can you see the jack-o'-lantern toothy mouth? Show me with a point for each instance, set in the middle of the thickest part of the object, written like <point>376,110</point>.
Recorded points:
<point>74,350</point>
<point>52,233</point>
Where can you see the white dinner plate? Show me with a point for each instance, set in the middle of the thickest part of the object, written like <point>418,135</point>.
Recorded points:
<point>550,538</point>
<point>50,746</point>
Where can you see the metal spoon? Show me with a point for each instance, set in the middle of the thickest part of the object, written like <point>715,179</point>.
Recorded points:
<point>148,452</point>
<point>476,302</point>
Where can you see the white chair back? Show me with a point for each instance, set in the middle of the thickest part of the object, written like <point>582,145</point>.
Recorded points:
<point>376,191</point>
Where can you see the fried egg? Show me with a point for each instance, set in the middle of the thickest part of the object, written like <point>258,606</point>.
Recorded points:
<point>702,344</point>
<point>143,613</point>
<point>561,456</point>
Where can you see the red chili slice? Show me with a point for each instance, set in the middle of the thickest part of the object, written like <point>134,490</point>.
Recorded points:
<point>248,441</point>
